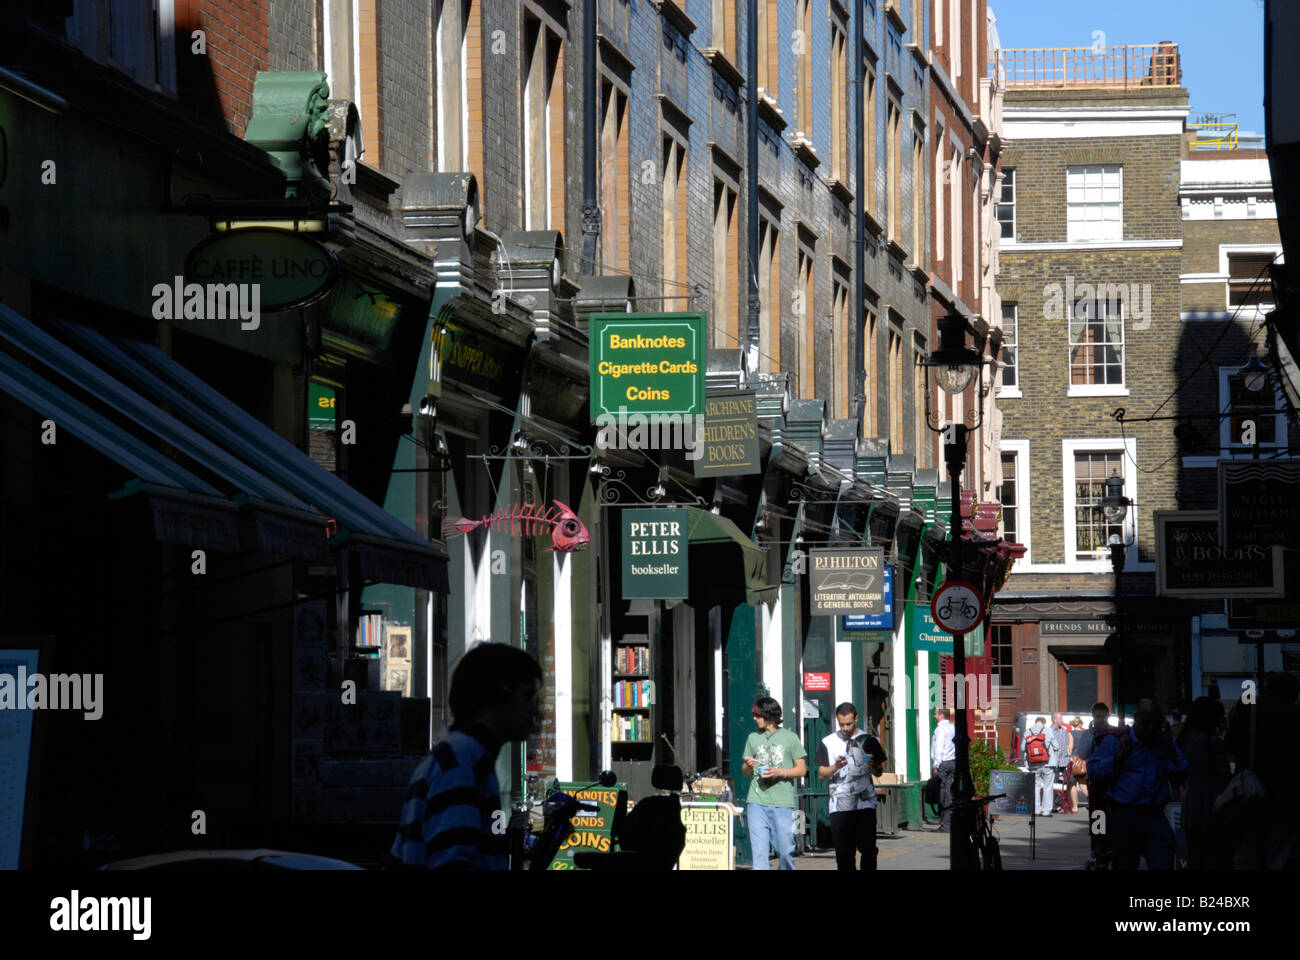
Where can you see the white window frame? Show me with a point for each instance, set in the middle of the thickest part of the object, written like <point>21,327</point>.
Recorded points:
<point>1013,392</point>
<point>1023,514</point>
<point>1230,450</point>
<point>447,164</point>
<point>152,65</point>
<point>527,95</point>
<point>1079,235</point>
<point>999,203</point>
<point>1120,389</point>
<point>337,91</point>
<point>1128,447</point>
<point>1226,250</point>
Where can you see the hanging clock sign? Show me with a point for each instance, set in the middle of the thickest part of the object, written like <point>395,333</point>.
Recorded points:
<point>957,607</point>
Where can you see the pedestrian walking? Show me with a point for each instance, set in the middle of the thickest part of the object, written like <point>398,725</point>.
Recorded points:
<point>1138,767</point>
<point>1176,723</point>
<point>943,757</point>
<point>1080,750</point>
<point>1209,843</point>
<point>1059,744</point>
<point>775,758</point>
<point>847,759</point>
<point>1273,752</point>
<point>454,796</point>
<point>1098,730</point>
<point>1038,754</point>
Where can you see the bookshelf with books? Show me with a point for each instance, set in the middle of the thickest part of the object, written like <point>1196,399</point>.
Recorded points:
<point>633,698</point>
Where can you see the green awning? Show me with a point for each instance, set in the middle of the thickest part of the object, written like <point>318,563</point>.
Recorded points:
<point>715,537</point>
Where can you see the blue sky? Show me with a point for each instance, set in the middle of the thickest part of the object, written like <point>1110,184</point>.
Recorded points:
<point>1221,41</point>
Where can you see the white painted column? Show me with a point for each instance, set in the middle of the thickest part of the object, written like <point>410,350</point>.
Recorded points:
<point>843,675</point>
<point>563,633</point>
<point>428,656</point>
<point>478,595</point>
<point>717,692</point>
<point>772,643</point>
<point>924,713</point>
<point>899,697</point>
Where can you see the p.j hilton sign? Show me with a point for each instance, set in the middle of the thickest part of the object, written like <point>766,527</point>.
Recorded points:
<point>649,363</point>
<point>655,558</point>
<point>844,581</point>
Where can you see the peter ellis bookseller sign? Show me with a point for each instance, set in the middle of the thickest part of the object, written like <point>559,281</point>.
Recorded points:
<point>655,545</point>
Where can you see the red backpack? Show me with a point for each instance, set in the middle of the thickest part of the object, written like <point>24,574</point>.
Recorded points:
<point>1036,748</point>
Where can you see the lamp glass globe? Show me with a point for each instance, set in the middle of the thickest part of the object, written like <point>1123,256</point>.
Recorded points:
<point>953,377</point>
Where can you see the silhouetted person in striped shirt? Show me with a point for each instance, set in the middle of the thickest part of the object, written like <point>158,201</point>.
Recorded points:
<point>450,817</point>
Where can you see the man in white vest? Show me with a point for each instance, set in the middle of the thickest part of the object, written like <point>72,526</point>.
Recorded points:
<point>848,758</point>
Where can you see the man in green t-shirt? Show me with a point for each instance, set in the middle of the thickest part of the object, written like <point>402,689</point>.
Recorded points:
<point>775,758</point>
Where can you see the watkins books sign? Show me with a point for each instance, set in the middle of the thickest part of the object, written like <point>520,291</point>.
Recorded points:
<point>1190,562</point>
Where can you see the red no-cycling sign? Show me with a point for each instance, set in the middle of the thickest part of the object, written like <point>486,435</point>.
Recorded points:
<point>957,607</point>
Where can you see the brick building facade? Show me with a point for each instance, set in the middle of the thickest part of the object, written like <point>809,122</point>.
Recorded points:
<point>1230,238</point>
<point>1090,261</point>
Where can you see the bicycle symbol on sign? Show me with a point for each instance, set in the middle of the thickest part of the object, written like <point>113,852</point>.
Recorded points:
<point>967,610</point>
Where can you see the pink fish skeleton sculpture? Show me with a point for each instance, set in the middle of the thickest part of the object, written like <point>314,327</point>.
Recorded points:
<point>567,532</point>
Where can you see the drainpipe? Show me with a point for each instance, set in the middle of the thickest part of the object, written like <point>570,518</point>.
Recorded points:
<point>590,207</point>
<point>751,160</point>
<point>860,241</point>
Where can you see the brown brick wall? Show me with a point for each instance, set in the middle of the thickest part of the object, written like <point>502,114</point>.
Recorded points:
<point>235,33</point>
<point>1046,414</point>
<point>1201,241</point>
<point>1150,184</point>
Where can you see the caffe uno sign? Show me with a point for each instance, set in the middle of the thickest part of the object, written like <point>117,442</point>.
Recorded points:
<point>291,269</point>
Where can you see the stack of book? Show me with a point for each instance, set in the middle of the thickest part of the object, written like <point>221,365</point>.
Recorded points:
<point>633,693</point>
<point>632,660</point>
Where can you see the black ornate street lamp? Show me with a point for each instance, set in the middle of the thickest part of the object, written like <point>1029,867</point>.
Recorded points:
<point>955,365</point>
<point>1114,507</point>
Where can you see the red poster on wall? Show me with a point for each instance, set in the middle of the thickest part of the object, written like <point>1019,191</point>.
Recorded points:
<point>975,692</point>
<point>816,681</point>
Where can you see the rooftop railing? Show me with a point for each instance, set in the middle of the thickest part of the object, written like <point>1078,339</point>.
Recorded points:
<point>1114,68</point>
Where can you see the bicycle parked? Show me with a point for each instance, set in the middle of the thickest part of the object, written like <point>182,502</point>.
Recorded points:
<point>984,842</point>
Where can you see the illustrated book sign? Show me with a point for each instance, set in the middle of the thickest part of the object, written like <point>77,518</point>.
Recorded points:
<point>846,580</point>
<point>882,621</point>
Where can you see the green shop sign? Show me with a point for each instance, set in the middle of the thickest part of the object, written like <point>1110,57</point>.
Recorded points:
<point>928,635</point>
<point>320,413</point>
<point>655,544</point>
<point>591,834</point>
<point>290,269</point>
<point>730,436</point>
<point>648,363</point>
